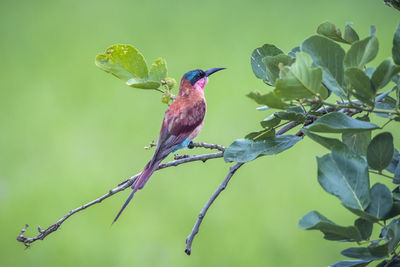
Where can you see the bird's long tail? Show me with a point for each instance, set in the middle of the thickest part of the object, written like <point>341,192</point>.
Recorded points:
<point>139,183</point>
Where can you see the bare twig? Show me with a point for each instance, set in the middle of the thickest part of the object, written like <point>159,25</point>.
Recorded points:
<point>122,186</point>
<point>208,146</point>
<point>232,170</point>
<point>195,230</point>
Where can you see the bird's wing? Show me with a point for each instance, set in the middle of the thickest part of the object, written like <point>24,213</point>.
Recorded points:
<point>178,124</point>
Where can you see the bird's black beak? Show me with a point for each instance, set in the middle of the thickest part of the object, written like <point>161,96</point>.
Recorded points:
<point>213,70</point>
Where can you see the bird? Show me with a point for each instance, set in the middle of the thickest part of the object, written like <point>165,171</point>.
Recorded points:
<point>182,122</point>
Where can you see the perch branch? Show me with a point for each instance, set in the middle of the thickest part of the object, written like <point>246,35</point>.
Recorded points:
<point>232,170</point>
<point>203,212</point>
<point>122,186</point>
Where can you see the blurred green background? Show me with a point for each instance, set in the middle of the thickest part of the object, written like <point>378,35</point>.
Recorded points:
<point>70,132</point>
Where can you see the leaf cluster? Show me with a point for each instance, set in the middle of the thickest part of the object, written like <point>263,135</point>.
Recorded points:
<point>128,64</point>
<point>332,65</point>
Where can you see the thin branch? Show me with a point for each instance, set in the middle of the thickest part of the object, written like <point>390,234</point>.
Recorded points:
<point>375,110</point>
<point>382,174</point>
<point>195,230</point>
<point>122,186</point>
<point>208,146</point>
<point>232,170</point>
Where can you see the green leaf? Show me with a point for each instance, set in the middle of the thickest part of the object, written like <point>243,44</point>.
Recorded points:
<point>345,175</point>
<point>381,201</point>
<point>261,135</point>
<point>316,221</point>
<point>123,61</point>
<point>396,46</point>
<point>327,142</point>
<point>393,234</point>
<point>361,84</point>
<point>380,151</point>
<point>244,150</point>
<point>258,54</point>
<point>350,35</point>
<point>363,214</point>
<point>357,142</point>
<point>361,52</point>
<point>337,122</point>
<point>269,99</point>
<point>143,83</point>
<point>394,166</point>
<point>364,227</point>
<point>369,71</point>
<point>291,116</point>
<point>394,211</point>
<point>368,253</point>
<point>328,55</point>
<point>384,73</point>
<point>329,30</point>
<point>356,263</point>
<point>158,70</point>
<point>271,65</point>
<point>270,121</point>
<point>300,80</point>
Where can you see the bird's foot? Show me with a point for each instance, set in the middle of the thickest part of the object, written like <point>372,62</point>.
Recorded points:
<point>190,145</point>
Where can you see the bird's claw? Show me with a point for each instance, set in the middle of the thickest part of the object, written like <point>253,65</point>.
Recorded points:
<point>190,145</point>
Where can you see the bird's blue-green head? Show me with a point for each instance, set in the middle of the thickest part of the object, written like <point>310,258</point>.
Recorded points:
<point>195,76</point>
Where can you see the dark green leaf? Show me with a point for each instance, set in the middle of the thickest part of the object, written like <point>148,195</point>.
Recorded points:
<point>328,55</point>
<point>329,30</point>
<point>380,151</point>
<point>327,142</point>
<point>384,106</point>
<point>123,61</point>
<point>364,227</point>
<point>332,84</point>
<point>356,263</point>
<point>270,121</point>
<point>269,99</point>
<point>337,122</point>
<point>381,201</point>
<point>300,80</point>
<point>394,211</point>
<point>357,142</point>
<point>256,59</point>
<point>316,221</point>
<point>261,135</point>
<point>396,46</point>
<point>394,166</point>
<point>393,234</point>
<point>396,193</point>
<point>363,214</point>
<point>272,62</point>
<point>368,253</point>
<point>290,116</point>
<point>244,150</point>
<point>361,84</point>
<point>350,35</point>
<point>384,73</point>
<point>361,52</point>
<point>345,175</point>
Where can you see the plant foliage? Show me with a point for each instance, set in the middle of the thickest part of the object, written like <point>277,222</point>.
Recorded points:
<point>332,65</point>
<point>323,86</point>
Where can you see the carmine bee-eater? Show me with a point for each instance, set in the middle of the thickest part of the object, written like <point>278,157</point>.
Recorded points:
<point>182,123</point>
